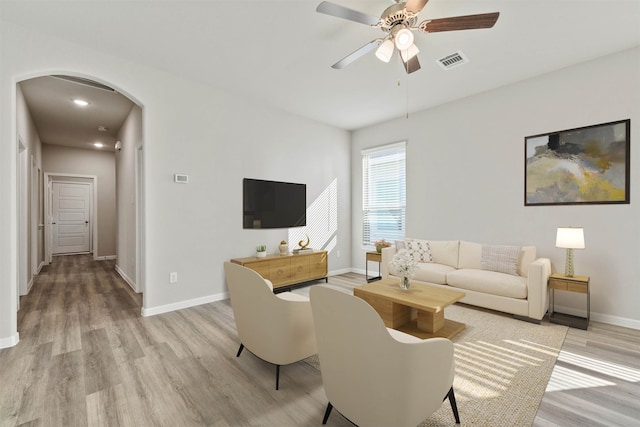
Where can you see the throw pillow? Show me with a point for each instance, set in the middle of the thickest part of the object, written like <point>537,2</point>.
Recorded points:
<point>419,250</point>
<point>500,258</point>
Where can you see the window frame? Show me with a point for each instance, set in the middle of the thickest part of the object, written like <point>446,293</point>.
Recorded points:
<point>387,202</point>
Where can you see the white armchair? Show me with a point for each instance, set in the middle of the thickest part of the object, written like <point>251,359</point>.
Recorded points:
<point>276,328</point>
<point>373,375</point>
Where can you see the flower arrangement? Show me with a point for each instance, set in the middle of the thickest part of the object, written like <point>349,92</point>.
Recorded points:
<point>379,244</point>
<point>404,263</point>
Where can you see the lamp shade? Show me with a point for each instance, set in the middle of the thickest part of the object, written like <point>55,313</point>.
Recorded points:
<point>570,238</point>
<point>403,38</point>
<point>385,51</point>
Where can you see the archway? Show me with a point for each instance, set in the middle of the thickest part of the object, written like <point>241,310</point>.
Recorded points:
<point>128,163</point>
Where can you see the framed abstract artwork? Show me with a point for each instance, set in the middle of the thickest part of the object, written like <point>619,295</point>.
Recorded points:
<point>588,165</point>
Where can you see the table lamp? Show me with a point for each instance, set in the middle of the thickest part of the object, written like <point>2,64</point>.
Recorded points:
<point>569,238</point>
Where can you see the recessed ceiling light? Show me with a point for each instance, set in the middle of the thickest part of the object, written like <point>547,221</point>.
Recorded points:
<point>80,102</point>
<point>98,144</point>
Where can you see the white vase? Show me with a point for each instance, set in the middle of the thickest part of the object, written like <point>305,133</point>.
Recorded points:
<point>261,254</point>
<point>284,249</point>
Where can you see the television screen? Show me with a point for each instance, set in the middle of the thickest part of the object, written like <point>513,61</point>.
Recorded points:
<point>272,204</point>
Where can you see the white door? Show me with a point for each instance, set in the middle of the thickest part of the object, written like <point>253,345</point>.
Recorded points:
<point>71,231</point>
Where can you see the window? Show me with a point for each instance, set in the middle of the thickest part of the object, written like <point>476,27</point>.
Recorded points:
<point>383,193</point>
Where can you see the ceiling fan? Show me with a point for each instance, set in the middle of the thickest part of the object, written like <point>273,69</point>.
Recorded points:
<point>399,21</point>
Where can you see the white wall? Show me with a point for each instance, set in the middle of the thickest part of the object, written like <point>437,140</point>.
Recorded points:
<point>465,175</point>
<point>189,128</point>
<point>28,135</point>
<point>130,136</point>
<point>58,159</point>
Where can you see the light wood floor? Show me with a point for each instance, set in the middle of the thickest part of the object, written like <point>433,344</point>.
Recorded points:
<point>87,357</point>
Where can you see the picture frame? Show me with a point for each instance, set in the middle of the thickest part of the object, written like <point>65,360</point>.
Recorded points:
<point>581,166</point>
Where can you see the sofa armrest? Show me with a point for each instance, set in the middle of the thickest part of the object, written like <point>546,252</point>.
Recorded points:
<point>537,281</point>
<point>387,256</point>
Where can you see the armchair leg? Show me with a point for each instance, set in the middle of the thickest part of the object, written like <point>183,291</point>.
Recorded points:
<point>277,377</point>
<point>240,350</point>
<point>452,399</point>
<point>327,412</point>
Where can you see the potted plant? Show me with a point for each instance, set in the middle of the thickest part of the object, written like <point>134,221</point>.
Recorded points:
<point>261,251</point>
<point>381,244</point>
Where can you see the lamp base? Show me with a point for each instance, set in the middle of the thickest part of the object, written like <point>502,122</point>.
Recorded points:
<point>568,265</point>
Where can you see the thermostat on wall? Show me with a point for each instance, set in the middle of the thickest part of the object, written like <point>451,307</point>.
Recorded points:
<point>180,178</point>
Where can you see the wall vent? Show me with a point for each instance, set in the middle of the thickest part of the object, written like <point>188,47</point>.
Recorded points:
<point>453,60</point>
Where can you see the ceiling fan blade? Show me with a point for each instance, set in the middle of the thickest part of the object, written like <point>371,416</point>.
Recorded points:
<point>415,6</point>
<point>333,9</point>
<point>357,54</point>
<point>411,65</point>
<point>468,22</point>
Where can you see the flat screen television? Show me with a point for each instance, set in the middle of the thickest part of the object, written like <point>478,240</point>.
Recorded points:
<point>273,204</point>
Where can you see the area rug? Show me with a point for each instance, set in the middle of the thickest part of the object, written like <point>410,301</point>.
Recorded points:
<point>503,366</point>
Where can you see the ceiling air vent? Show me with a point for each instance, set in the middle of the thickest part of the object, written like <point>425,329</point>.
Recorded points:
<point>453,60</point>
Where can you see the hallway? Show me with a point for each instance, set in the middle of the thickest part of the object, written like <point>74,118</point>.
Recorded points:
<point>86,357</point>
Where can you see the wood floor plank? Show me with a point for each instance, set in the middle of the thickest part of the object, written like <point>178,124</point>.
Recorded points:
<point>100,368</point>
<point>86,357</point>
<point>64,402</point>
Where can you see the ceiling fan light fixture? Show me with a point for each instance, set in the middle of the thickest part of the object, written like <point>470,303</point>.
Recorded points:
<point>407,54</point>
<point>385,51</point>
<point>403,38</point>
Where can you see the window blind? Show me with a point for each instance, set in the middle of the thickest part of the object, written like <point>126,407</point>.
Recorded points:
<point>383,193</point>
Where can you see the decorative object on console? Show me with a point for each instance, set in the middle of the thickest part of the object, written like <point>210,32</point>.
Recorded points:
<point>379,244</point>
<point>303,249</point>
<point>261,251</point>
<point>284,248</point>
<point>405,266</point>
<point>304,245</point>
<point>570,238</point>
<point>588,165</point>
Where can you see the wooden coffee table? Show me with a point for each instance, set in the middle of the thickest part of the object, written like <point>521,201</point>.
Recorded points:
<point>418,311</point>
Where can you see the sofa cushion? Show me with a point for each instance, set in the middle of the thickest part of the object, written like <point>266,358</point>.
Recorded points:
<point>500,258</point>
<point>527,256</point>
<point>419,250</point>
<point>445,252</point>
<point>470,255</point>
<point>489,282</point>
<point>432,273</point>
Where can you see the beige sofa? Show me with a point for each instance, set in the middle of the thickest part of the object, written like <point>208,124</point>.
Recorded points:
<point>479,271</point>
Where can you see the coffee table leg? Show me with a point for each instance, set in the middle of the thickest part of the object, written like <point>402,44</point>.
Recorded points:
<point>430,322</point>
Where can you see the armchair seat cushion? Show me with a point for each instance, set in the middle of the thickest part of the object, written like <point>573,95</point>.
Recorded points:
<point>290,296</point>
<point>489,282</point>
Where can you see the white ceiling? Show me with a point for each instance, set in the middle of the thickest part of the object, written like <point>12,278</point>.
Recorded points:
<point>279,52</point>
<point>60,122</point>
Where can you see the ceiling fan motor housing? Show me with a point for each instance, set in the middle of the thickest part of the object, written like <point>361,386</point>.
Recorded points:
<point>395,15</point>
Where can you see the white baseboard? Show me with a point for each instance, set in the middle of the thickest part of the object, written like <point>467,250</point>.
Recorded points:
<point>29,285</point>
<point>104,258</point>
<point>358,271</point>
<point>10,341</point>
<point>152,311</point>
<point>42,264</point>
<point>341,271</point>
<point>600,317</point>
<point>127,279</point>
